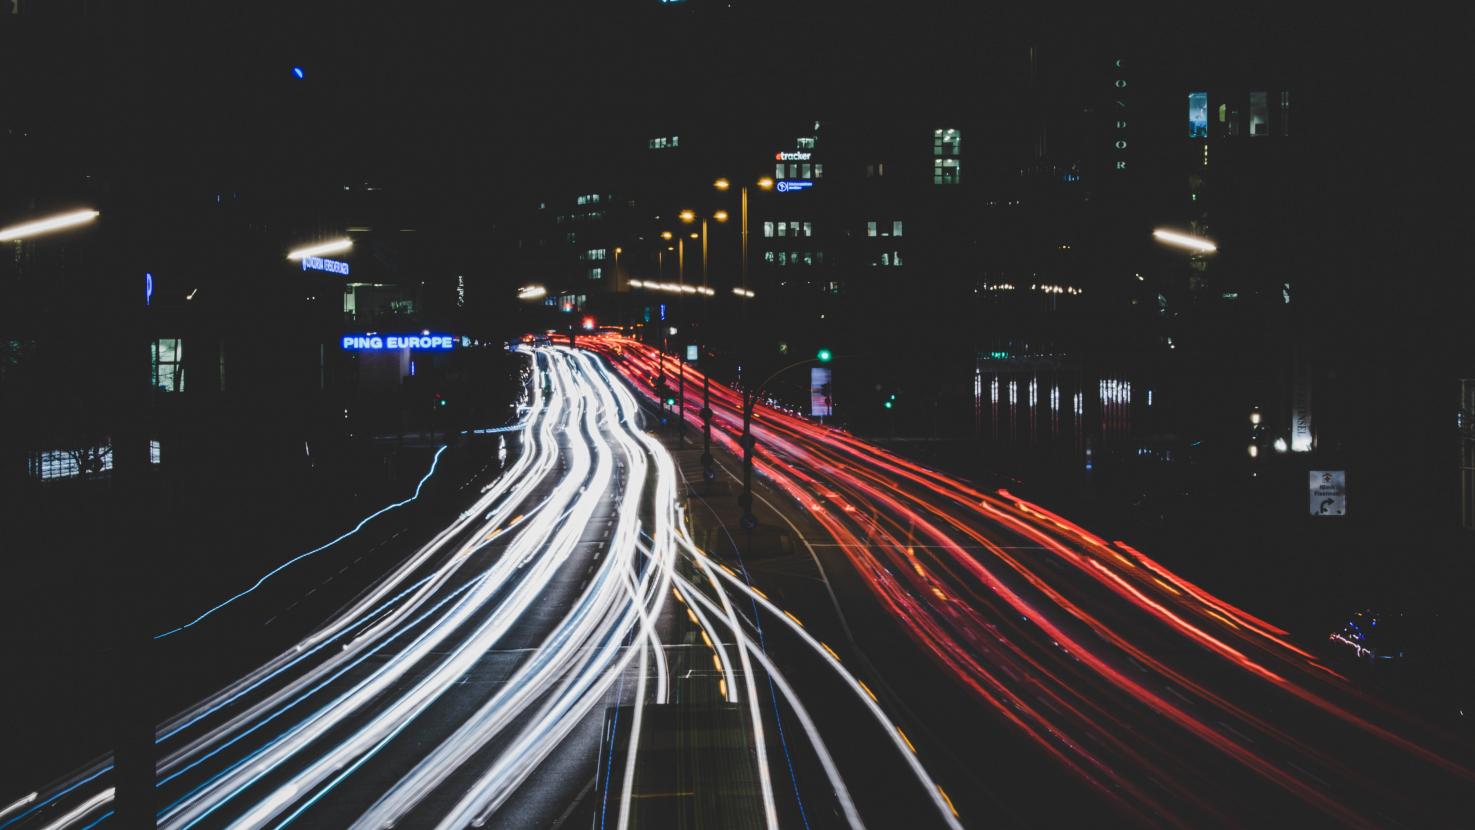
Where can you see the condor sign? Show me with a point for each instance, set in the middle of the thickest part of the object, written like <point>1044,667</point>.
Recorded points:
<point>387,342</point>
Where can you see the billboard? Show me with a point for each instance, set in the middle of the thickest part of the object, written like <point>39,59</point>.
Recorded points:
<point>1198,115</point>
<point>820,401</point>
<point>691,353</point>
<point>1328,492</point>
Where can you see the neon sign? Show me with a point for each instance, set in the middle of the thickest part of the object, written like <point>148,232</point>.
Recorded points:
<point>787,185</point>
<point>793,155</point>
<point>421,342</point>
<point>317,263</point>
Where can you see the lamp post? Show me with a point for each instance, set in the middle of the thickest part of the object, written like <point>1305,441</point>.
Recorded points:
<point>748,441</point>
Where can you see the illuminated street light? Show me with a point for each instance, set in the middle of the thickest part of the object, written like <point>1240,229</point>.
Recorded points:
<point>687,216</point>
<point>720,216</point>
<point>1192,243</point>
<point>336,246</point>
<point>65,220</point>
<point>694,235</point>
<point>665,234</point>
<point>765,183</point>
<point>722,184</point>
<point>742,292</point>
<point>1280,445</point>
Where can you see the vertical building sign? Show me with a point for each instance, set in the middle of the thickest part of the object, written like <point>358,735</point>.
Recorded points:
<point>1198,115</point>
<point>1301,406</point>
<point>1119,117</point>
<point>820,401</point>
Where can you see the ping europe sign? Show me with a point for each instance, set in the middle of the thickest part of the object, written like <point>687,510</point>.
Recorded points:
<point>377,342</point>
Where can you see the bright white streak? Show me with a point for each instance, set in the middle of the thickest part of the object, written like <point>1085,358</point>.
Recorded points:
<point>65,220</point>
<point>333,247</point>
<point>1193,243</point>
<point>82,809</point>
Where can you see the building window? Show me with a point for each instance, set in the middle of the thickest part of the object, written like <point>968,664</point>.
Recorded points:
<point>783,257</point>
<point>168,364</point>
<point>768,229</point>
<point>806,143</point>
<point>768,256</point>
<point>588,199</point>
<point>947,143</point>
<point>778,170</point>
<point>783,229</point>
<point>946,171</point>
<point>596,273</point>
<point>1285,113</point>
<point>870,229</point>
<point>595,254</point>
<point>896,227</point>
<point>1259,114</point>
<point>665,142</point>
<point>808,229</point>
<point>819,170</point>
<point>804,171</point>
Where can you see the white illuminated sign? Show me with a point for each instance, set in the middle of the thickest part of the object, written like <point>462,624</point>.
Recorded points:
<point>317,263</point>
<point>793,155</point>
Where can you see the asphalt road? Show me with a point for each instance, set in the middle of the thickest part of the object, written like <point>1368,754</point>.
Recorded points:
<point>1054,678</point>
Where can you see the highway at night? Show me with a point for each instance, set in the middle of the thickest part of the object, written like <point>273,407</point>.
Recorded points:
<point>469,684</point>
<point>1173,705</point>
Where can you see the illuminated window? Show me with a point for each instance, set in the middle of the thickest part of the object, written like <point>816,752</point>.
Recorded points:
<point>896,227</point>
<point>768,256</point>
<point>805,170</point>
<point>783,229</point>
<point>947,143</point>
<point>808,229</point>
<point>870,229</point>
<point>783,257</point>
<point>1259,114</point>
<point>168,364</point>
<point>819,170</point>
<point>778,170</point>
<point>806,143</point>
<point>596,273</point>
<point>595,254</point>
<point>946,171</point>
<point>768,229</point>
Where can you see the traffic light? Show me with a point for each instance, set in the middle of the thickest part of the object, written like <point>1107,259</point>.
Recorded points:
<point>889,404</point>
<point>440,400</point>
<point>825,355</point>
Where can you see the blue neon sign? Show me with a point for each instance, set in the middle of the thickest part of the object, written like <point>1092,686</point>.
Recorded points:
<point>148,290</point>
<point>787,185</point>
<point>317,263</point>
<point>385,342</point>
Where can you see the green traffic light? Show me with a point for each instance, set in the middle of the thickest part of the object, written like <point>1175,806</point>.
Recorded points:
<point>825,355</point>
<point>888,404</point>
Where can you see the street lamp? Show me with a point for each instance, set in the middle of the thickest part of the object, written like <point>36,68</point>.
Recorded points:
<point>1197,244</point>
<point>52,223</point>
<point>748,441</point>
<point>336,246</point>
